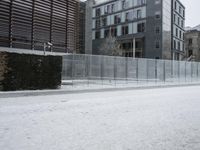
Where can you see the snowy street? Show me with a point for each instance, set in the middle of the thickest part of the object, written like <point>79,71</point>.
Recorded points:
<point>148,119</point>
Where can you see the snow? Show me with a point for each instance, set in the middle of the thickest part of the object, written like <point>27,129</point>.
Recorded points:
<point>150,119</point>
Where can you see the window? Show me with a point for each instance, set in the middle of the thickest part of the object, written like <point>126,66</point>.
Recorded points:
<point>174,44</point>
<point>98,12</point>
<point>139,13</point>
<point>107,9</point>
<point>157,30</point>
<point>141,27</point>
<point>175,5</point>
<point>124,4</point>
<point>174,17</point>
<point>114,32</point>
<point>190,41</point>
<point>190,52</point>
<point>134,14</point>
<point>176,32</point>
<point>106,33</point>
<point>98,23</point>
<point>180,34</point>
<point>124,30</point>
<point>182,24</point>
<point>178,21</point>
<point>104,21</point>
<point>117,19</point>
<point>128,16</point>
<point>179,45</point>
<point>113,8</point>
<point>157,15</point>
<point>97,35</point>
<point>180,9</point>
<point>157,44</point>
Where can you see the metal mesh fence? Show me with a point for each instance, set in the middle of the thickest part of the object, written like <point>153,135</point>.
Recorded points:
<point>121,70</point>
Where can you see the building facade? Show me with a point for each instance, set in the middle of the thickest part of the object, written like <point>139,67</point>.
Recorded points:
<point>178,29</point>
<point>82,27</point>
<point>192,45</point>
<point>28,24</point>
<point>144,28</point>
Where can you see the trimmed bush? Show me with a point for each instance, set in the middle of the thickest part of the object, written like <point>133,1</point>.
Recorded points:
<point>29,71</point>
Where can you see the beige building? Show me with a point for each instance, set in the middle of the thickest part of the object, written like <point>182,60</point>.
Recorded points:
<point>192,45</point>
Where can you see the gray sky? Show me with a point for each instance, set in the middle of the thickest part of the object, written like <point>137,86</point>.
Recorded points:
<point>192,12</point>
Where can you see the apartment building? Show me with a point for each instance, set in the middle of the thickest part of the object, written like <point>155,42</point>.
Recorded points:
<point>144,28</point>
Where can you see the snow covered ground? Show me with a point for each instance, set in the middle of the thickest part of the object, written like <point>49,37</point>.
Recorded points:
<point>150,119</point>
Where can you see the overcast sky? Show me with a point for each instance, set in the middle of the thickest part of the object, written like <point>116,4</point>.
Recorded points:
<point>192,12</point>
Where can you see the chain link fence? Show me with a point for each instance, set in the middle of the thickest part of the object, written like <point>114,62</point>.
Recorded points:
<point>109,70</point>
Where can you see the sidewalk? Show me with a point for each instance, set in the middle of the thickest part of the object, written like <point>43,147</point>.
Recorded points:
<point>77,87</point>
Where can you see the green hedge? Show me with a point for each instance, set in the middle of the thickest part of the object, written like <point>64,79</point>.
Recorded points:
<point>30,72</point>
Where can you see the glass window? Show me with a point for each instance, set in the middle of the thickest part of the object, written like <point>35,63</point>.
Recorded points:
<point>106,33</point>
<point>114,32</point>
<point>157,44</point>
<point>97,34</point>
<point>104,21</point>
<point>157,30</point>
<point>98,24</point>
<point>117,19</point>
<point>98,12</point>
<point>141,27</point>
<point>113,8</point>
<point>124,30</point>
<point>139,13</point>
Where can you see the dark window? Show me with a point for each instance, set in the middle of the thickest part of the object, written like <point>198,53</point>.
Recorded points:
<point>117,19</point>
<point>98,24</point>
<point>104,21</point>
<point>175,5</point>
<point>157,44</point>
<point>113,8</point>
<point>124,30</point>
<point>98,12</point>
<point>190,41</point>
<point>97,35</point>
<point>128,16</point>
<point>157,30</point>
<point>174,44</point>
<point>178,21</point>
<point>106,33</point>
<point>190,53</point>
<point>141,27</point>
<point>176,32</point>
<point>179,45</point>
<point>174,17</point>
<point>124,4</point>
<point>114,32</point>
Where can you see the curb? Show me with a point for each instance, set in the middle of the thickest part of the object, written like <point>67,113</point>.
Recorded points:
<point>63,92</point>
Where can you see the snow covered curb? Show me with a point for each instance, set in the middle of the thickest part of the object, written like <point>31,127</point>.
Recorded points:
<point>73,91</point>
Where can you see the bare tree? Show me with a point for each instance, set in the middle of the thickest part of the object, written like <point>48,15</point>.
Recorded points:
<point>110,47</point>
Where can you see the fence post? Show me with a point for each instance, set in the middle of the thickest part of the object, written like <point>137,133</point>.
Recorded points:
<point>126,70</point>
<point>156,70</point>
<point>164,75</point>
<point>137,70</point>
<point>102,69</point>
<point>115,69</point>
